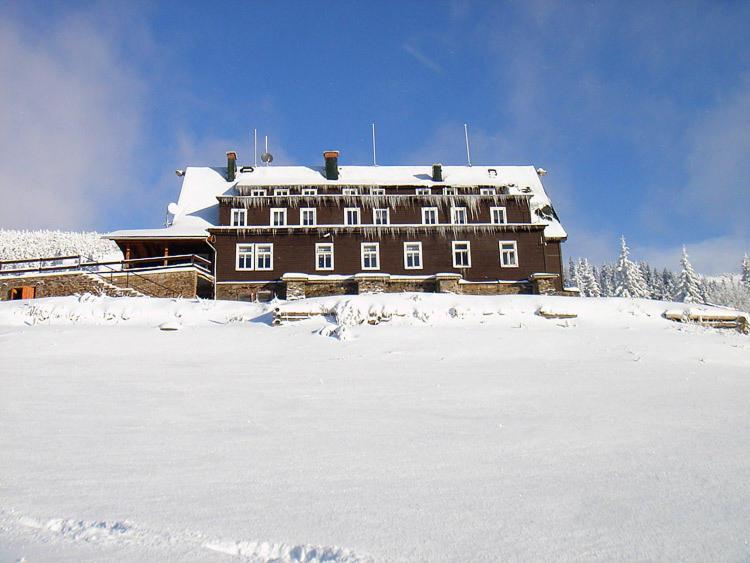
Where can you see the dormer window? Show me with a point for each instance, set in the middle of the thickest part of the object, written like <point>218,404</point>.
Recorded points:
<point>450,191</point>
<point>309,191</point>
<point>350,191</point>
<point>423,191</point>
<point>281,191</point>
<point>487,191</point>
<point>238,218</point>
<point>377,191</point>
<point>258,192</point>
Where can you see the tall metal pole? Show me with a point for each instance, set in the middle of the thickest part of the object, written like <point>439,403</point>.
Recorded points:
<point>266,148</point>
<point>255,148</point>
<point>374,155</point>
<point>468,151</point>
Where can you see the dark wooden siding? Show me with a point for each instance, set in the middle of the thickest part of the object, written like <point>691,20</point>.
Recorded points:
<point>296,253</point>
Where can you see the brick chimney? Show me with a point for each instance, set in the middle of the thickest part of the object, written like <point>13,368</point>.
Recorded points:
<point>231,166</point>
<point>437,172</point>
<point>332,164</point>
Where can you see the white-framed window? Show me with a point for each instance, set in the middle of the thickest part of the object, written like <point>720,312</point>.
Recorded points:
<point>258,192</point>
<point>413,255</point>
<point>350,191</point>
<point>254,256</point>
<point>498,215</point>
<point>429,215</point>
<point>450,191</point>
<point>264,256</point>
<point>459,216</point>
<point>245,257</point>
<point>377,191</point>
<point>281,191</point>
<point>308,216</point>
<point>278,216</point>
<point>508,254</point>
<point>381,217</point>
<point>238,218</point>
<point>423,191</point>
<point>461,253</point>
<point>352,216</point>
<point>370,255</point>
<point>487,191</point>
<point>324,256</point>
<point>309,191</point>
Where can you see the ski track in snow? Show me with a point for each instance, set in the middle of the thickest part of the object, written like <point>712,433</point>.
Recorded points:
<point>124,532</point>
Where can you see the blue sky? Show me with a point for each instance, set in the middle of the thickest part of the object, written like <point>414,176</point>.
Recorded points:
<point>639,111</point>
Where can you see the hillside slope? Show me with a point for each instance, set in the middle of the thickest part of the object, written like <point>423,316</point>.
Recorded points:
<point>457,428</point>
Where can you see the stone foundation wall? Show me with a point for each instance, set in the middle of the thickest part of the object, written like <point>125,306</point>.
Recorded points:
<point>400,286</point>
<point>250,292</point>
<point>53,285</point>
<point>178,283</point>
<point>494,288</point>
<point>321,289</point>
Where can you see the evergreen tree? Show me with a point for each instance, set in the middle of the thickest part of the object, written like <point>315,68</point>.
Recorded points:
<point>670,284</point>
<point>746,271</point>
<point>688,286</point>
<point>628,279</point>
<point>589,286</point>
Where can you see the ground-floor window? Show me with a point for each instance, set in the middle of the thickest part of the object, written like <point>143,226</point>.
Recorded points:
<point>508,254</point>
<point>324,256</point>
<point>370,256</point>
<point>461,254</point>
<point>254,256</point>
<point>413,255</point>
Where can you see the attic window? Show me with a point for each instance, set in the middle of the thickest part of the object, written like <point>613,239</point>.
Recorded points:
<point>492,172</point>
<point>309,191</point>
<point>350,191</point>
<point>487,191</point>
<point>450,191</point>
<point>377,191</point>
<point>258,192</point>
<point>281,191</point>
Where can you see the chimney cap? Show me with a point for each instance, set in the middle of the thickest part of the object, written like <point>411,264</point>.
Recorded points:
<point>232,154</point>
<point>331,154</point>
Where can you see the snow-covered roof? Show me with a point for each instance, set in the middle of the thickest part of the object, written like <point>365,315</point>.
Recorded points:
<point>198,210</point>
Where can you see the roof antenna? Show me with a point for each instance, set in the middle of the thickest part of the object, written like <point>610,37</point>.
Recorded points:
<point>374,156</point>
<point>468,151</point>
<point>267,157</point>
<point>255,148</point>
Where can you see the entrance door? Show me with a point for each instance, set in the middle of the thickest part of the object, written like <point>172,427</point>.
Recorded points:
<point>25,292</point>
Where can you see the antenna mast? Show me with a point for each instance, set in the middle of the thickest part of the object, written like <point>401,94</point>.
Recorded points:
<point>468,151</point>
<point>266,149</point>
<point>374,156</point>
<point>255,148</point>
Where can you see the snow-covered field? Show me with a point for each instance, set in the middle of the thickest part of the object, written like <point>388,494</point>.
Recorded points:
<point>455,428</point>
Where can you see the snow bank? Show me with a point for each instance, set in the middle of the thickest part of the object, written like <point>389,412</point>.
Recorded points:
<point>18,245</point>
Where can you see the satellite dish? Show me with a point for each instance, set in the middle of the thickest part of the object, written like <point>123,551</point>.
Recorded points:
<point>267,157</point>
<point>173,208</point>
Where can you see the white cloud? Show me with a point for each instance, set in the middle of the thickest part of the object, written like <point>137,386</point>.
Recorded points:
<point>70,117</point>
<point>423,59</point>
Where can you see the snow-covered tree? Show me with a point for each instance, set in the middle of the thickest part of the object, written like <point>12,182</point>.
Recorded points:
<point>745,276</point>
<point>688,286</point>
<point>606,280</point>
<point>589,285</point>
<point>628,279</point>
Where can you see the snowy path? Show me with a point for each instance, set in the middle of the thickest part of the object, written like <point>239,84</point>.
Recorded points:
<point>473,437</point>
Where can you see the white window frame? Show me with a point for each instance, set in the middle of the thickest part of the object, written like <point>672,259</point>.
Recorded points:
<point>377,191</point>
<point>258,255</point>
<point>454,212</point>
<point>487,191</point>
<point>346,215</point>
<point>244,249</point>
<point>513,252</point>
<point>309,191</point>
<point>418,253</point>
<point>450,191</point>
<point>349,191</point>
<point>375,216</point>
<point>492,215</point>
<point>281,191</point>
<point>258,192</point>
<point>302,211</point>
<point>425,210</point>
<point>283,211</point>
<point>319,250</point>
<point>423,191</point>
<point>377,255</point>
<point>236,213</point>
<point>468,253</point>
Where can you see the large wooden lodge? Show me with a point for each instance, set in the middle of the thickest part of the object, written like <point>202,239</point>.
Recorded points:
<point>295,231</point>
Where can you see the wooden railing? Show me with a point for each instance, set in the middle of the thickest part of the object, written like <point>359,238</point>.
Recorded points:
<point>57,264</point>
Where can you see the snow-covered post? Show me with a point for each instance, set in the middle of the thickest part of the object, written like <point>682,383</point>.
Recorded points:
<point>688,286</point>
